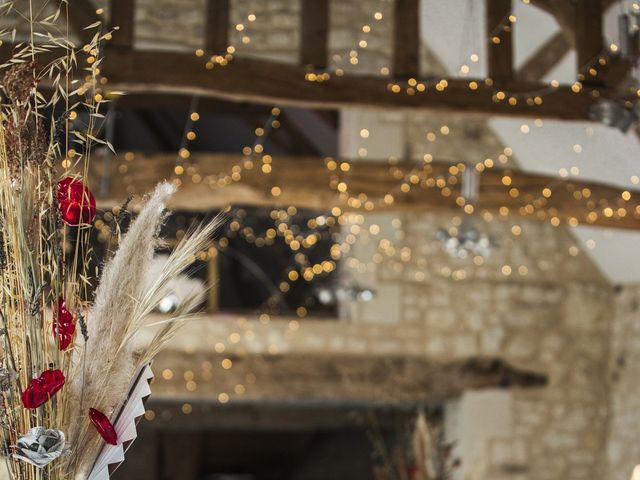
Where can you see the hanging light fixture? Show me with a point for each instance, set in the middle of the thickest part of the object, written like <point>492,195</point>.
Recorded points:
<point>334,294</point>
<point>629,31</point>
<point>611,112</point>
<point>468,240</point>
<point>614,114</point>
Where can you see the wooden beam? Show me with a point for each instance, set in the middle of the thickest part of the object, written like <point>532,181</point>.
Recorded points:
<point>581,24</point>
<point>314,33</point>
<point>589,39</point>
<point>279,84</point>
<point>545,58</point>
<point>564,13</point>
<point>150,101</point>
<point>308,182</point>
<point>213,277</point>
<point>499,40</point>
<point>286,416</point>
<point>123,17</point>
<point>616,74</point>
<point>308,377</point>
<point>406,39</point>
<point>271,83</point>
<point>217,26</point>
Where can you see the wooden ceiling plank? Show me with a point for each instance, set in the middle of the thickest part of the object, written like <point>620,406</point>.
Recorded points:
<point>314,33</point>
<point>406,39</point>
<point>499,40</point>
<point>217,26</point>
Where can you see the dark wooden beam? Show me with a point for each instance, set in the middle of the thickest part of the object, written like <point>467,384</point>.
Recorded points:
<point>616,74</point>
<point>217,26</point>
<point>241,415</point>
<point>123,17</point>
<point>589,39</point>
<point>406,39</point>
<point>499,40</point>
<point>564,12</point>
<point>581,24</point>
<point>545,58</point>
<point>305,378</point>
<point>279,84</point>
<point>309,182</point>
<point>271,83</point>
<point>174,101</point>
<point>314,33</point>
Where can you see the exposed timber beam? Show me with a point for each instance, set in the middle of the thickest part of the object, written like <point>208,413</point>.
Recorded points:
<point>545,58</point>
<point>564,13</point>
<point>217,26</point>
<point>616,74</point>
<point>309,182</point>
<point>123,17</point>
<point>279,84</point>
<point>589,39</point>
<point>499,40</point>
<point>314,33</point>
<point>406,39</point>
<point>271,83</point>
<point>580,23</point>
<point>309,379</point>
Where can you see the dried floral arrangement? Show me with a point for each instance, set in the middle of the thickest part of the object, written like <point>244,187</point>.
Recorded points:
<point>72,366</point>
<point>419,452</point>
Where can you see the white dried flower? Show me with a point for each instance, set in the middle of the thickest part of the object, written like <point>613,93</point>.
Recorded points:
<point>40,446</point>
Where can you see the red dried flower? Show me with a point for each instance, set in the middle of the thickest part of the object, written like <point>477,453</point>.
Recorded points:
<point>76,203</point>
<point>63,325</point>
<point>41,389</point>
<point>104,426</point>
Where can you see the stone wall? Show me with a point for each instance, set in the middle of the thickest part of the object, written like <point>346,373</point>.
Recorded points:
<point>623,446</point>
<point>550,313</point>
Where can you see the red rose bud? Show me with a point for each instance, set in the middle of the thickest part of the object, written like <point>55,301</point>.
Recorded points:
<point>63,325</point>
<point>76,203</point>
<point>104,426</point>
<point>41,389</point>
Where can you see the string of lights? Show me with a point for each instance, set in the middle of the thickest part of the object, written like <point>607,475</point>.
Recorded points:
<point>354,225</point>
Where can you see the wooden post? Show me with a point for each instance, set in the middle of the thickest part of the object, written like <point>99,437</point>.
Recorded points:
<point>122,16</point>
<point>217,26</point>
<point>314,34</point>
<point>545,58</point>
<point>406,39</point>
<point>499,40</point>
<point>589,41</point>
<point>213,277</point>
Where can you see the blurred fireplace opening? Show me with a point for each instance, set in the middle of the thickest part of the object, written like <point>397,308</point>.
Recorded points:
<point>260,271</point>
<point>272,441</point>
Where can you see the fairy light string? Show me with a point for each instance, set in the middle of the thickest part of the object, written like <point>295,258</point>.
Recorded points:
<point>350,208</point>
